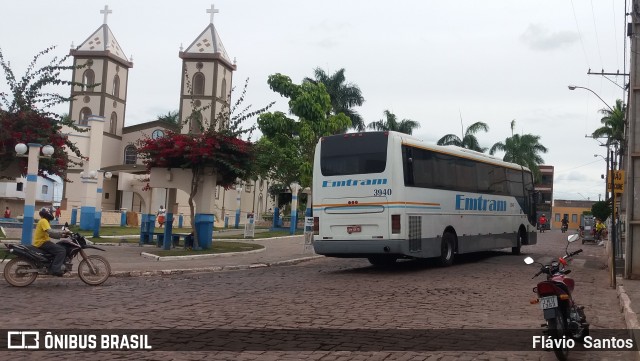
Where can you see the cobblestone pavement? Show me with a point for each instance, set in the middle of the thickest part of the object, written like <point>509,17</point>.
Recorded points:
<point>490,290</point>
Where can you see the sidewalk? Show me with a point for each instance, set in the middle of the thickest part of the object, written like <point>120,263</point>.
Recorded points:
<point>131,259</point>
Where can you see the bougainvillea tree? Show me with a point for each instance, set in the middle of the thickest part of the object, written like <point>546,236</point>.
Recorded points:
<point>25,116</point>
<point>216,145</point>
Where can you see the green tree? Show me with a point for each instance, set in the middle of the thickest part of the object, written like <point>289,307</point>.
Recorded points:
<point>522,149</point>
<point>468,140</point>
<point>291,140</point>
<point>613,125</point>
<point>25,116</point>
<point>391,123</point>
<point>601,210</point>
<point>171,117</point>
<point>344,96</point>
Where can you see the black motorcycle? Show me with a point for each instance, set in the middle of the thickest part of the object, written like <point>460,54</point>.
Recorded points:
<point>30,261</point>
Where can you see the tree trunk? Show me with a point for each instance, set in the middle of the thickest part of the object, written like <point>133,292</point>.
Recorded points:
<point>196,173</point>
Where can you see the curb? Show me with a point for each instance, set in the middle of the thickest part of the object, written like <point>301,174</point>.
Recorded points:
<point>212,269</point>
<point>198,256</point>
<point>630,317</point>
<point>290,262</point>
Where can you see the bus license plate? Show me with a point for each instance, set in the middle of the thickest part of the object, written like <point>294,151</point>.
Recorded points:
<point>354,229</point>
<point>548,302</point>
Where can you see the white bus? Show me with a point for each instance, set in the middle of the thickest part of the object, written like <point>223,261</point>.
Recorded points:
<point>387,195</point>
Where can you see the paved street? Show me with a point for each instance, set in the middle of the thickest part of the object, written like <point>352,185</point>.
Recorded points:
<point>485,291</point>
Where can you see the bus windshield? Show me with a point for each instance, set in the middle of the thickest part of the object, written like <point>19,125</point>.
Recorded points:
<point>358,153</point>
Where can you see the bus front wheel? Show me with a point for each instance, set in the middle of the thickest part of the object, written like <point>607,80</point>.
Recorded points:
<point>446,250</point>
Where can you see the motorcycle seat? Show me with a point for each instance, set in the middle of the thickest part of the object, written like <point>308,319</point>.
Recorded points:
<point>38,252</point>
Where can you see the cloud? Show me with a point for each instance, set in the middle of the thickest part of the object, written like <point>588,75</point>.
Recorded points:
<point>538,37</point>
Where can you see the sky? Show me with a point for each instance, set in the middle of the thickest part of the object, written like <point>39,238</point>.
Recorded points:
<point>444,64</point>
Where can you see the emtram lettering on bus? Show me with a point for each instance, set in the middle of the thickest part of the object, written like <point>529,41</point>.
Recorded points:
<point>479,204</point>
<point>353,182</point>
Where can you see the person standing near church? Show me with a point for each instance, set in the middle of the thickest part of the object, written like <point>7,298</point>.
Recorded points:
<point>160,215</point>
<point>7,213</point>
<point>58,213</point>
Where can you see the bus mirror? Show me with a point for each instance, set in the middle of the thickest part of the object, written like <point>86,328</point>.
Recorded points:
<point>537,197</point>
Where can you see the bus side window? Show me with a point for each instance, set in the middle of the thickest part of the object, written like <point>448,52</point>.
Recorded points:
<point>407,162</point>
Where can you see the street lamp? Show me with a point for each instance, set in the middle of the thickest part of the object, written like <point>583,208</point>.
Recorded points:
<point>612,258</point>
<point>574,87</point>
<point>33,164</point>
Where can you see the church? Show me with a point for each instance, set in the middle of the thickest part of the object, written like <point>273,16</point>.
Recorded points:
<point>112,180</point>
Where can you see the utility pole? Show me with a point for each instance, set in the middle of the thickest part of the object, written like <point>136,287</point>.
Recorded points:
<point>632,182</point>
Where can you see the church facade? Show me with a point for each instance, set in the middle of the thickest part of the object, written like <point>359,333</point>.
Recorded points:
<point>113,178</point>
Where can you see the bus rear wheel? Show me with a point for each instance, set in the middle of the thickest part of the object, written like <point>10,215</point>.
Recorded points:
<point>382,261</point>
<point>446,250</point>
<point>517,249</point>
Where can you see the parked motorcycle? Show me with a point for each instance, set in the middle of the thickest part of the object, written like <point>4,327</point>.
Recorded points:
<point>30,261</point>
<point>564,318</point>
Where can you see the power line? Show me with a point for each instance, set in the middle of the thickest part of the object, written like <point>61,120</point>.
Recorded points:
<point>595,28</point>
<point>584,51</point>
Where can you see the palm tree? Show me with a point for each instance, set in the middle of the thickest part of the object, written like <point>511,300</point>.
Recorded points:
<point>344,96</point>
<point>522,149</point>
<point>469,139</point>
<point>613,125</point>
<point>391,123</point>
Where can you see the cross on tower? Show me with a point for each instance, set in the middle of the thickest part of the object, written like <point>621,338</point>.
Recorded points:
<point>212,11</point>
<point>106,12</point>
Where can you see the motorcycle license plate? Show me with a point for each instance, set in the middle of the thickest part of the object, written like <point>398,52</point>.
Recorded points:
<point>548,302</point>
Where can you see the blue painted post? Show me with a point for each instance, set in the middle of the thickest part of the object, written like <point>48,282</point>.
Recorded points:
<point>276,217</point>
<point>123,217</point>
<point>204,226</point>
<point>180,220</point>
<point>151,225</point>
<point>143,228</point>
<point>237,222</point>
<point>27,224</point>
<point>74,216</point>
<point>96,224</point>
<point>87,217</point>
<point>294,208</point>
<point>226,221</point>
<point>168,228</point>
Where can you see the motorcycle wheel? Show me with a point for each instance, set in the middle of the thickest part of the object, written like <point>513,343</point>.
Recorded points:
<point>557,331</point>
<point>14,272</point>
<point>102,267</point>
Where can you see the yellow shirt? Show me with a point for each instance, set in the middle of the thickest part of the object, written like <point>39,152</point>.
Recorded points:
<point>41,234</point>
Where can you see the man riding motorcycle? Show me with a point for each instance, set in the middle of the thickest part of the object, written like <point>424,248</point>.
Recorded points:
<point>42,240</point>
<point>565,224</point>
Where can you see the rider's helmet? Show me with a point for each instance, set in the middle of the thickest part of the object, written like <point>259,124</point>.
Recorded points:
<point>46,214</point>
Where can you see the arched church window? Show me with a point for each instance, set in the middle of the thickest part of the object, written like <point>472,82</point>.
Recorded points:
<point>198,84</point>
<point>116,86</point>
<point>113,123</point>
<point>130,154</point>
<point>223,90</point>
<point>88,79</point>
<point>85,113</point>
